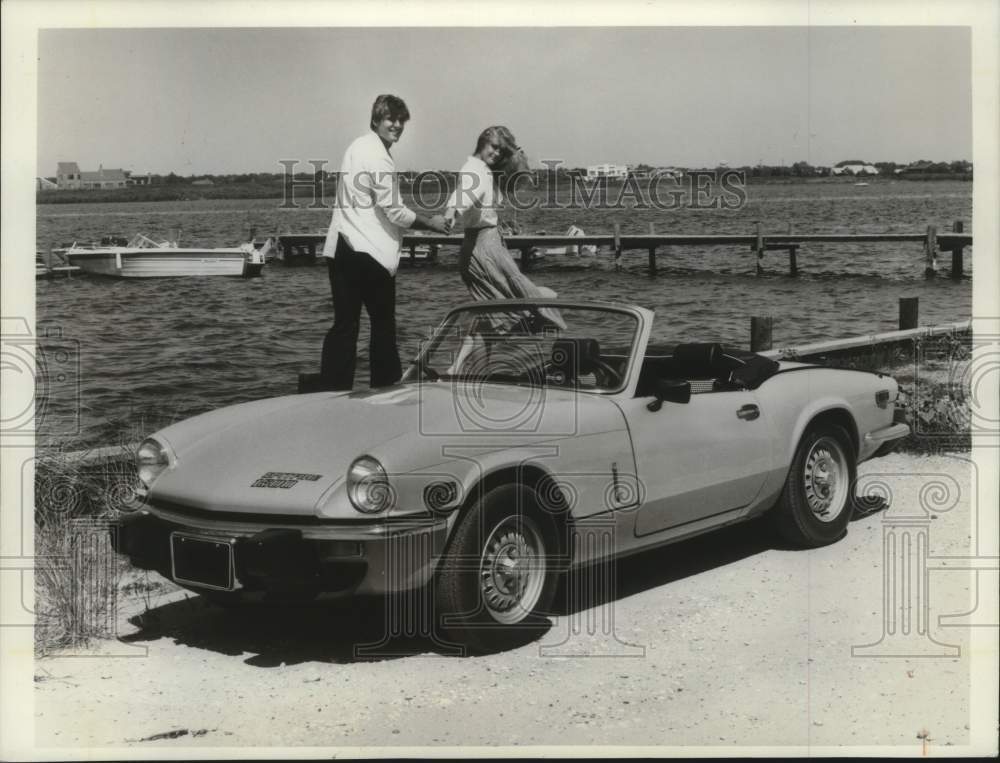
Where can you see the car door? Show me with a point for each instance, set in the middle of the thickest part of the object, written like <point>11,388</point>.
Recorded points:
<point>708,457</point>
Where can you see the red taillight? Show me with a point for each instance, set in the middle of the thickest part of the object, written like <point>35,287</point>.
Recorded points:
<point>882,398</point>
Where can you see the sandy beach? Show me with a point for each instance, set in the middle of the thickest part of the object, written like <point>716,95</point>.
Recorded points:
<point>728,640</point>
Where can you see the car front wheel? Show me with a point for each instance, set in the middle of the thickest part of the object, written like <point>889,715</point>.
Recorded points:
<point>816,502</point>
<point>496,577</point>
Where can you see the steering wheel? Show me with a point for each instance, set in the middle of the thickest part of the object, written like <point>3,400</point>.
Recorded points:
<point>606,375</point>
<point>612,378</point>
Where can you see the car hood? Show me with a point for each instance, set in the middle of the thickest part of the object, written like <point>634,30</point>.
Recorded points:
<point>282,455</point>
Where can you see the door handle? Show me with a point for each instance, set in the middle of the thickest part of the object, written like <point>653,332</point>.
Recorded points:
<point>748,412</point>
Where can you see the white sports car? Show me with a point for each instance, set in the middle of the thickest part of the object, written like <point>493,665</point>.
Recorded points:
<point>525,440</point>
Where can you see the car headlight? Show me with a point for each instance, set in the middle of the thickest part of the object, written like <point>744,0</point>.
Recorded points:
<point>368,486</point>
<point>151,460</point>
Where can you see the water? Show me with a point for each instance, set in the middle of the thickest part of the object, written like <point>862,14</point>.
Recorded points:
<point>148,350</point>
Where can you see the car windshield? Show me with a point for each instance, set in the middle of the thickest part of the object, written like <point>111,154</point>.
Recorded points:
<point>532,344</point>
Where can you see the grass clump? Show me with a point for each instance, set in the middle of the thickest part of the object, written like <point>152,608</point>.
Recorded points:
<point>77,573</point>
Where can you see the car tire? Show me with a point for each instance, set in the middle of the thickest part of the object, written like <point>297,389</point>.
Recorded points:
<point>817,500</point>
<point>497,576</point>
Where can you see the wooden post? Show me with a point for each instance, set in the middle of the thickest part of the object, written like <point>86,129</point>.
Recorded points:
<point>930,251</point>
<point>413,253</point>
<point>908,312</point>
<point>760,333</point>
<point>618,246</point>
<point>433,256</point>
<point>759,247</point>
<point>793,262</point>
<point>652,251</point>
<point>957,264</point>
<point>525,259</point>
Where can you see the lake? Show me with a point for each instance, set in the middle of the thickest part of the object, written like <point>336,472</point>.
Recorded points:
<point>133,353</point>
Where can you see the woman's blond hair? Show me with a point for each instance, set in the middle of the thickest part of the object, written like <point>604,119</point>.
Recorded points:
<point>513,159</point>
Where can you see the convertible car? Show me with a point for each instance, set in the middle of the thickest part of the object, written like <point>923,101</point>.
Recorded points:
<point>527,438</point>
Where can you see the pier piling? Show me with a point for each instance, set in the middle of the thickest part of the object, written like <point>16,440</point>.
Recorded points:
<point>525,259</point>
<point>760,332</point>
<point>618,246</point>
<point>909,309</point>
<point>758,247</point>
<point>930,252</point>
<point>652,251</point>
<point>957,264</point>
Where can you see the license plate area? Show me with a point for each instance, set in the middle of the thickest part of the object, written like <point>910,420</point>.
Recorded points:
<point>203,562</point>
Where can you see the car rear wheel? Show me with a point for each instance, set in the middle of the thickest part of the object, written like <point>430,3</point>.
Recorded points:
<point>496,577</point>
<point>816,502</point>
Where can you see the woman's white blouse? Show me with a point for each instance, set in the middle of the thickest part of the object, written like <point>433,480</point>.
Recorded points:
<point>476,198</point>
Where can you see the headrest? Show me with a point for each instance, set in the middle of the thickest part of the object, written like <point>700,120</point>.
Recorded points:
<point>702,359</point>
<point>575,356</point>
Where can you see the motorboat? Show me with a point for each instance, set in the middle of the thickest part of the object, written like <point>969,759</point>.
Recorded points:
<point>573,249</point>
<point>142,257</point>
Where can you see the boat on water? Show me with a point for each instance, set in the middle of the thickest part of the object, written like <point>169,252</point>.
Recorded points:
<point>861,184</point>
<point>573,249</point>
<point>142,257</point>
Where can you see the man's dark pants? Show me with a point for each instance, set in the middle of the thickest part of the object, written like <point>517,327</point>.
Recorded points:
<point>356,278</point>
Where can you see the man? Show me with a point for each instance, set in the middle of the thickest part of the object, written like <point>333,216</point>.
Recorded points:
<point>362,251</point>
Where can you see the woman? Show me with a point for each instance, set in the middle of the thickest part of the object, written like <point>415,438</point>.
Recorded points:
<point>487,267</point>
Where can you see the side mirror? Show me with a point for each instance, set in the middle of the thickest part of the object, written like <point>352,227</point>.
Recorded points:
<point>672,391</point>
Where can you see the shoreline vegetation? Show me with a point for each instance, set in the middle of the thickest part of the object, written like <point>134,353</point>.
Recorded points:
<point>273,187</point>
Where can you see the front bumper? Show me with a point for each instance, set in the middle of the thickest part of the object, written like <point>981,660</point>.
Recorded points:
<point>346,559</point>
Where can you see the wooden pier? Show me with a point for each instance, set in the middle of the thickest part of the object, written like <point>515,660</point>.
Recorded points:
<point>51,265</point>
<point>302,247</point>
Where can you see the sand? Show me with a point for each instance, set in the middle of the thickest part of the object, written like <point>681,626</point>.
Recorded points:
<point>725,641</point>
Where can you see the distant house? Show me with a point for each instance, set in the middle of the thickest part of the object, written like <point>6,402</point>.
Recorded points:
<point>203,181</point>
<point>606,171</point>
<point>70,177</point>
<point>104,179</point>
<point>854,167</point>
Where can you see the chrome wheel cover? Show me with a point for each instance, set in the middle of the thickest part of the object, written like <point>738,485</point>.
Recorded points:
<point>512,570</point>
<point>825,479</point>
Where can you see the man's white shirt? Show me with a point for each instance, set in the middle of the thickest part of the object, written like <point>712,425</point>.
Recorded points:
<point>369,214</point>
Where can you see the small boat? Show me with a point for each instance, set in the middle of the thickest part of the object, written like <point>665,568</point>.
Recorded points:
<point>862,184</point>
<point>572,249</point>
<point>141,257</point>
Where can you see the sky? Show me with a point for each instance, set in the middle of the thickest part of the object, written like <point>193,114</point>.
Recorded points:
<point>197,101</point>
